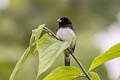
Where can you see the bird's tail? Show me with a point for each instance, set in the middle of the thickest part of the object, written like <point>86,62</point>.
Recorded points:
<point>67,61</point>
<point>67,58</point>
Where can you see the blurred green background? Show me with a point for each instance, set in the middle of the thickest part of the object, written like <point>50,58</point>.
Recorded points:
<point>19,17</point>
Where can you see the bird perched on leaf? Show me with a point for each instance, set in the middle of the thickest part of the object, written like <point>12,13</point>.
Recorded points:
<point>65,32</point>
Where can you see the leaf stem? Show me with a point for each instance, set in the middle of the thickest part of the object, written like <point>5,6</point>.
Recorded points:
<point>78,62</point>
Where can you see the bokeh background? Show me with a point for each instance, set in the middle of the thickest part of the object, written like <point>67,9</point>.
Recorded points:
<point>91,19</point>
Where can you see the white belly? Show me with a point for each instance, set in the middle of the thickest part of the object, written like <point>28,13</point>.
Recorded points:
<point>65,34</point>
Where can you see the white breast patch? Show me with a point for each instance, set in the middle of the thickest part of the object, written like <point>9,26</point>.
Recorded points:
<point>65,34</point>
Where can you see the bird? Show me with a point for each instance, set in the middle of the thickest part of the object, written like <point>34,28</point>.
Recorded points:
<point>65,31</point>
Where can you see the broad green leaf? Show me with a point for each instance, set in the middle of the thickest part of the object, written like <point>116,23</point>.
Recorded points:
<point>21,61</point>
<point>64,73</point>
<point>94,76</point>
<point>23,58</point>
<point>48,51</point>
<point>41,40</point>
<point>108,55</point>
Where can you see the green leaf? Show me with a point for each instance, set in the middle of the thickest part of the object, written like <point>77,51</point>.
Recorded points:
<point>108,55</point>
<point>32,49</point>
<point>94,76</point>
<point>32,40</point>
<point>38,32</point>
<point>35,35</point>
<point>23,58</point>
<point>49,50</point>
<point>64,73</point>
<point>21,61</point>
<point>41,40</point>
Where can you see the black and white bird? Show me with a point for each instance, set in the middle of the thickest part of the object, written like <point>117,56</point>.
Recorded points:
<point>65,31</point>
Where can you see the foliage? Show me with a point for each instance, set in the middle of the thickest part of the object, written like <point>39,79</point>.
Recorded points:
<point>23,58</point>
<point>94,76</point>
<point>64,73</point>
<point>49,49</point>
<point>112,53</point>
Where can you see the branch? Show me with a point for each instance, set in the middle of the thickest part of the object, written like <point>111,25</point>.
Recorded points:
<point>80,65</point>
<point>49,31</point>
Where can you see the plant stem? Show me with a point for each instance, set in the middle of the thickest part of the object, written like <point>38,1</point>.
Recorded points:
<point>49,31</point>
<point>78,62</point>
<point>83,69</point>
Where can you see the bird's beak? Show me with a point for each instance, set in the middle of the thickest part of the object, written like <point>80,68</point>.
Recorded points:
<point>59,20</point>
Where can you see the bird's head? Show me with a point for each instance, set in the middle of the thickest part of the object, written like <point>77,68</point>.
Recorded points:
<point>64,21</point>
